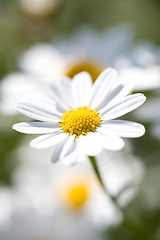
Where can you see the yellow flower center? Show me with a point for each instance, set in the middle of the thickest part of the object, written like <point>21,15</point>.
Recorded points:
<point>79,66</point>
<point>78,196</point>
<point>80,121</point>
<point>75,193</point>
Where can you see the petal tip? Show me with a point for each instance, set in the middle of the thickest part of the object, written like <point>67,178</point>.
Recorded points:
<point>14,127</point>
<point>143,131</point>
<point>111,70</point>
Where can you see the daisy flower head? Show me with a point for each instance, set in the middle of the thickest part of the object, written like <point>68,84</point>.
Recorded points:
<point>78,118</point>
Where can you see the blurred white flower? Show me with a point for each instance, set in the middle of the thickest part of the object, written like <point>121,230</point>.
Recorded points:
<point>46,200</point>
<point>39,8</point>
<point>76,191</point>
<point>87,50</point>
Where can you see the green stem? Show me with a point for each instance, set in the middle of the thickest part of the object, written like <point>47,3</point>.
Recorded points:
<point>95,167</point>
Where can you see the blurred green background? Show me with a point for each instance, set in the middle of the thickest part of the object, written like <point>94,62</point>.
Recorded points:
<point>18,31</point>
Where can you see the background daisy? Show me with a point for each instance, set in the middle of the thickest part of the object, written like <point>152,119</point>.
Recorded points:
<point>88,50</point>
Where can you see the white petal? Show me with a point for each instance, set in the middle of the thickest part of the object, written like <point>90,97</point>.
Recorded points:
<point>68,148</point>
<point>72,153</point>
<point>110,140</point>
<point>36,127</point>
<point>90,144</point>
<point>102,87</point>
<point>59,93</point>
<point>39,109</point>
<point>81,86</point>
<point>56,156</point>
<point>124,128</point>
<point>48,140</point>
<point>122,107</point>
<point>65,87</point>
<point>120,91</point>
<point>72,158</point>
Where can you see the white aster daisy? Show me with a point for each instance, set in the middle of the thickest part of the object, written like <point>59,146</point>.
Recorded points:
<point>78,116</point>
<point>86,50</point>
<point>74,191</point>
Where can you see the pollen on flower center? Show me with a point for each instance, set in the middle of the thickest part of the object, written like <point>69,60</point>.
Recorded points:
<point>80,121</point>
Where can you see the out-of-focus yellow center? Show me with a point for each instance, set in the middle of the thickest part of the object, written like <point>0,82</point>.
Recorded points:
<point>78,196</point>
<point>80,121</point>
<point>93,69</point>
<point>75,193</point>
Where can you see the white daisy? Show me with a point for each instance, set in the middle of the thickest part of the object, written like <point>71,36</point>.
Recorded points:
<point>87,51</point>
<point>90,51</point>
<point>46,200</point>
<point>78,118</point>
<point>74,191</point>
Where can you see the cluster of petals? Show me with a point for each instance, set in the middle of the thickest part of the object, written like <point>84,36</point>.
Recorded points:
<point>109,97</point>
